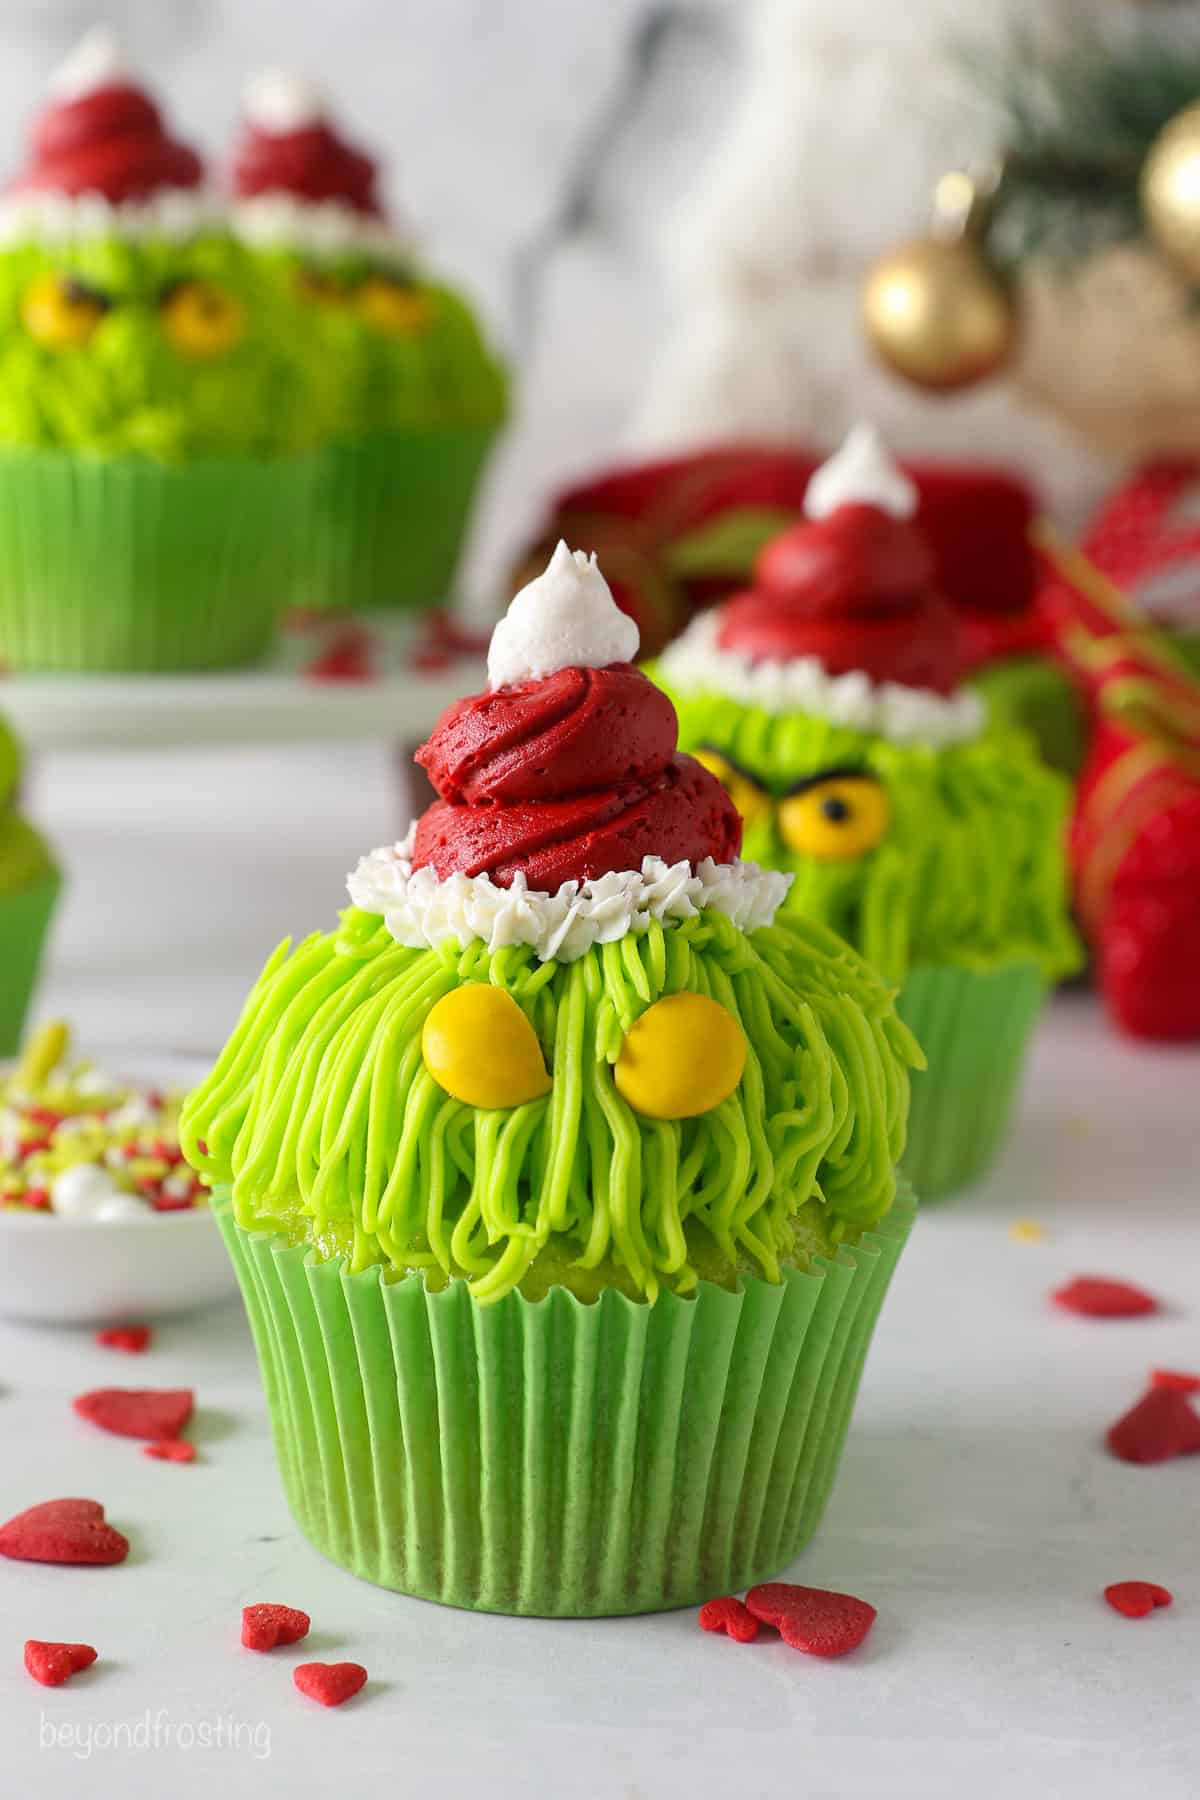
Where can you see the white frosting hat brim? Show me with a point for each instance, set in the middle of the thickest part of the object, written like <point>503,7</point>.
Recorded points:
<point>696,664</point>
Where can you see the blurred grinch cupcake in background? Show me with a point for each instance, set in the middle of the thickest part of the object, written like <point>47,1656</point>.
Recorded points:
<point>422,396</point>
<point>151,397</point>
<point>560,1178</point>
<point>828,699</point>
<point>29,884</point>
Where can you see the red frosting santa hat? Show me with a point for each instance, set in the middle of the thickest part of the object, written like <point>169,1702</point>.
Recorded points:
<point>844,620</point>
<point>102,159</point>
<point>296,181</point>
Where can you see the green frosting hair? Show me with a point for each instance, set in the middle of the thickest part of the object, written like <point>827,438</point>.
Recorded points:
<point>440,374</point>
<point>971,871</point>
<point>128,389</point>
<point>322,1116</point>
<point>24,855</point>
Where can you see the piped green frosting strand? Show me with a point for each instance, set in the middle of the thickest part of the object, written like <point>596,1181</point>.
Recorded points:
<point>972,871</point>
<point>322,1116</point>
<point>129,391</point>
<point>440,374</point>
<point>24,854</point>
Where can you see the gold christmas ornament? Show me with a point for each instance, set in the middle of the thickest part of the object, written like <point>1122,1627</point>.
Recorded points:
<point>1170,190</point>
<point>937,313</point>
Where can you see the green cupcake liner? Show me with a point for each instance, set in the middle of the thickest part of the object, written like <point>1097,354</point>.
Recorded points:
<point>122,564</point>
<point>388,519</point>
<point>24,922</point>
<point>554,1458</point>
<point>974,1027</point>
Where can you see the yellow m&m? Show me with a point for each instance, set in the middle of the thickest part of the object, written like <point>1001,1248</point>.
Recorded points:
<point>479,1046</point>
<point>683,1057</point>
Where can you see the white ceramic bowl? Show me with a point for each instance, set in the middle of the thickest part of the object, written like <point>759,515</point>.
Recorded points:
<point>59,1271</point>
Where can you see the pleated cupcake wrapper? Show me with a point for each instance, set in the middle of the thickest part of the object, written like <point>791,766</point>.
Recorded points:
<point>119,564</point>
<point>24,921</point>
<point>388,519</point>
<point>557,1458</point>
<point>974,1027</point>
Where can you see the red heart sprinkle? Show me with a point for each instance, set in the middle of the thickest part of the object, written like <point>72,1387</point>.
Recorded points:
<point>347,657</point>
<point>1160,1426</point>
<point>133,1338</point>
<point>171,1450</point>
<point>731,1617</point>
<point>51,1664</point>
<point>265,1625</point>
<point>63,1531</point>
<point>812,1619</point>
<point>1137,1598</point>
<point>1177,1379</point>
<point>1098,1298</point>
<point>330,1683</point>
<point>137,1412</point>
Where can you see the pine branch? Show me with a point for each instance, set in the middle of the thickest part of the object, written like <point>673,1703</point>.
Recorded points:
<point>1074,130</point>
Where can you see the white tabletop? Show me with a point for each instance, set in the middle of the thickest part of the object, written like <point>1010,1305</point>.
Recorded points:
<point>976,1506</point>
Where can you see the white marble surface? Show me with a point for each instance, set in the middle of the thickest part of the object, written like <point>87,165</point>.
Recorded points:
<point>976,1509</point>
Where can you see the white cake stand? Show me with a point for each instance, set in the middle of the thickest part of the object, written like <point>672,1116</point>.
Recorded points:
<point>402,673</point>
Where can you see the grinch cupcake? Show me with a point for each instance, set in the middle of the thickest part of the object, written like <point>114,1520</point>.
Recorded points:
<point>828,700</point>
<point>151,395</point>
<point>29,884</point>
<point>422,397</point>
<point>560,1178</point>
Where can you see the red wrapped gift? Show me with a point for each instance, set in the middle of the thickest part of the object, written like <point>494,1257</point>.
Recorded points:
<point>1135,835</point>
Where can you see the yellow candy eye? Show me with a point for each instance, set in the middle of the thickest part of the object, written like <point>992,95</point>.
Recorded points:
<point>393,307</point>
<point>61,314</point>
<point>480,1047</point>
<point>752,801</point>
<point>201,319</point>
<point>683,1057</point>
<point>835,816</point>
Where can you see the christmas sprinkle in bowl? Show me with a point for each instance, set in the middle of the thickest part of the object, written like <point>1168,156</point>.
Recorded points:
<point>100,1219</point>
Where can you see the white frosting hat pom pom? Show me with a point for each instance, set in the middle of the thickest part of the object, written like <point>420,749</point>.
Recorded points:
<point>280,102</point>
<point>565,619</point>
<point>96,62</point>
<point>862,473</point>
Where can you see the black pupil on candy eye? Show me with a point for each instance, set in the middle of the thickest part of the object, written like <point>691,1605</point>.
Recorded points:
<point>836,810</point>
<point>77,293</point>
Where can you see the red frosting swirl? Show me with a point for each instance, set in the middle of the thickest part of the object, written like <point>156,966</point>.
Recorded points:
<point>855,590</point>
<point>568,779</point>
<point>112,142</point>
<point>577,730</point>
<point>312,164</point>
